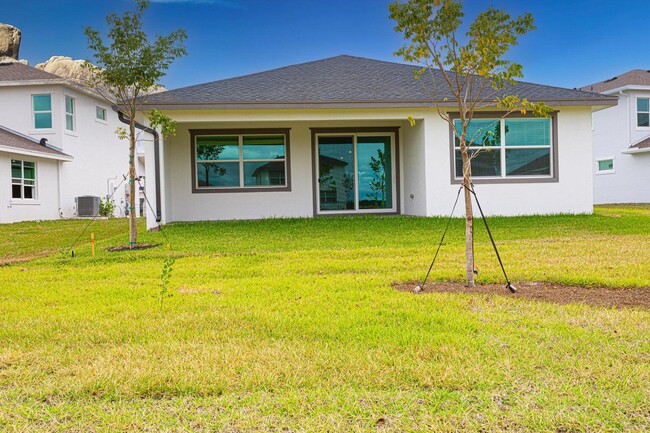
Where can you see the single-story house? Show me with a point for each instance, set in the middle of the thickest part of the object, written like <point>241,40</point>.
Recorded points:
<point>332,137</point>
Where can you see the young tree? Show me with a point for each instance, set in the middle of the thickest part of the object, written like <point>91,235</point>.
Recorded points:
<point>470,67</point>
<point>128,68</point>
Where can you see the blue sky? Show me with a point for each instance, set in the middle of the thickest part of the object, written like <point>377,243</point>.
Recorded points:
<point>577,42</point>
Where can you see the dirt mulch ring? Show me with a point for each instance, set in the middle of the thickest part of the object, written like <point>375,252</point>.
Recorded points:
<point>597,296</point>
<point>133,248</point>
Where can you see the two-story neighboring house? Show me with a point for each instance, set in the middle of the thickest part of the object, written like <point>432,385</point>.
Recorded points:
<point>71,125</point>
<point>621,140</point>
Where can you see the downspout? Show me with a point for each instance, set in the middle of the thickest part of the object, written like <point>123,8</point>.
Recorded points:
<point>58,189</point>
<point>156,154</point>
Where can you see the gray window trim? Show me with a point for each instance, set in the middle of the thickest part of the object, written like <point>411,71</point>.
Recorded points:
<point>395,130</point>
<point>278,131</point>
<point>495,115</point>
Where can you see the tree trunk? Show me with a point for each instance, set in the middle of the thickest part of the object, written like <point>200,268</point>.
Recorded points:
<point>469,218</point>
<point>133,223</point>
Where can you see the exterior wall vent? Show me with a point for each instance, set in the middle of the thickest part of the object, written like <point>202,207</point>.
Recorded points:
<point>87,206</point>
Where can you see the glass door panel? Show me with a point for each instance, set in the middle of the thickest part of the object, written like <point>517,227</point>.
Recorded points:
<point>336,173</point>
<point>374,172</point>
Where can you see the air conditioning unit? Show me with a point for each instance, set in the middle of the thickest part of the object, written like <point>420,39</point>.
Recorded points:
<point>87,206</point>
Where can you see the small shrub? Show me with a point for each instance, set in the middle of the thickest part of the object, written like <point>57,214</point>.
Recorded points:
<point>165,276</point>
<point>106,207</point>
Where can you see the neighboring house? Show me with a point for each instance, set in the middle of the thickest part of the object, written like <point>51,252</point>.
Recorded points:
<point>73,120</point>
<point>30,173</point>
<point>337,136</point>
<point>621,136</point>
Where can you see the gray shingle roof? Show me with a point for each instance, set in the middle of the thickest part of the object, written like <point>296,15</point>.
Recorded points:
<point>643,144</point>
<point>20,142</point>
<point>16,71</point>
<point>635,77</point>
<point>343,80</point>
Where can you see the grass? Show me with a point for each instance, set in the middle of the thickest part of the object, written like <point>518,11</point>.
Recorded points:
<point>292,325</point>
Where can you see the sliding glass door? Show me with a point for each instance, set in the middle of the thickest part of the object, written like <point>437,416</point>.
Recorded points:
<point>356,173</point>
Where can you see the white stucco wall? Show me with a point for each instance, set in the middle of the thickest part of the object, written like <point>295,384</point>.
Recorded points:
<point>100,158</point>
<point>571,194</point>
<point>615,130</point>
<point>183,205</point>
<point>46,204</point>
<point>425,167</point>
<point>414,172</point>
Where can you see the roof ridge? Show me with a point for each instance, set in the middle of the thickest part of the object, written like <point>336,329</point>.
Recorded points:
<point>252,74</point>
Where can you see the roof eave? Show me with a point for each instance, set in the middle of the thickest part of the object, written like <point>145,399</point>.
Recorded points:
<point>633,150</point>
<point>603,102</point>
<point>53,82</point>
<point>624,88</point>
<point>45,155</point>
<point>17,83</point>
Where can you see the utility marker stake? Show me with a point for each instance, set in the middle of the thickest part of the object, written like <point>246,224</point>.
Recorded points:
<point>92,243</point>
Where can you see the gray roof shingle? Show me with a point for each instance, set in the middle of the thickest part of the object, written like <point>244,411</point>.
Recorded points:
<point>635,77</point>
<point>643,144</point>
<point>20,142</point>
<point>343,80</point>
<point>16,71</point>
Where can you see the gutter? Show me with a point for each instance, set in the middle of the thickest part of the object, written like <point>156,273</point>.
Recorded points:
<point>18,151</point>
<point>631,151</point>
<point>156,150</point>
<point>606,101</point>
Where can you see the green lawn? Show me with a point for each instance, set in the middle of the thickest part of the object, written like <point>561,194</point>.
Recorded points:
<point>292,325</point>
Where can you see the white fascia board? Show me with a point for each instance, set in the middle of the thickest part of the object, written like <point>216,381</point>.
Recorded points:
<point>8,149</point>
<point>624,88</point>
<point>632,151</point>
<point>18,83</point>
<point>54,82</point>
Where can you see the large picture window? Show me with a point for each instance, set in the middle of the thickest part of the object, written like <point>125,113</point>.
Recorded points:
<point>507,148</point>
<point>23,180</point>
<point>231,161</point>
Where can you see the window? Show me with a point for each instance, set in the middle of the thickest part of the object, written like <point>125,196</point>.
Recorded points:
<point>23,180</point>
<point>240,161</point>
<point>507,148</point>
<point>100,113</point>
<point>69,113</point>
<point>605,165</point>
<point>643,112</point>
<point>42,109</point>
<point>356,172</point>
